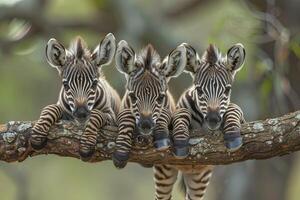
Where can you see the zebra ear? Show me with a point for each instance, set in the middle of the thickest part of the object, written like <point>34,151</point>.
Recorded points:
<point>173,65</point>
<point>125,58</point>
<point>105,51</point>
<point>192,59</point>
<point>235,57</point>
<point>55,54</point>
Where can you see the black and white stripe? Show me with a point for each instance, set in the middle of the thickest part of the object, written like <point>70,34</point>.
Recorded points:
<point>85,95</point>
<point>206,105</point>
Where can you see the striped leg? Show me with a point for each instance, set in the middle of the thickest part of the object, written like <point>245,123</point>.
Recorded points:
<point>161,132</point>
<point>196,183</point>
<point>164,178</point>
<point>50,114</point>
<point>126,125</point>
<point>181,122</point>
<point>88,139</point>
<point>232,127</point>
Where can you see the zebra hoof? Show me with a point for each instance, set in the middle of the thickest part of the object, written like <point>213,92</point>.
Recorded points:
<point>181,149</point>
<point>38,143</point>
<point>120,159</point>
<point>234,144</point>
<point>181,152</point>
<point>162,144</point>
<point>86,153</point>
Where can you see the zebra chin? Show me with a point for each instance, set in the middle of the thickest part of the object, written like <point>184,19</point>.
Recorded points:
<point>81,121</point>
<point>81,114</point>
<point>213,127</point>
<point>145,129</point>
<point>145,132</point>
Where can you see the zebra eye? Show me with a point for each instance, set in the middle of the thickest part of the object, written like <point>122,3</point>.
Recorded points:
<point>227,90</point>
<point>66,85</point>
<point>132,97</point>
<point>160,98</point>
<point>95,83</point>
<point>199,91</point>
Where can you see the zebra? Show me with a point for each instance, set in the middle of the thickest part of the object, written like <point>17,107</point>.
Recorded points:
<point>147,105</point>
<point>205,105</point>
<point>85,95</point>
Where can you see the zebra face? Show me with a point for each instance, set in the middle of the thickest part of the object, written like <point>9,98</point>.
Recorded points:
<point>146,98</point>
<point>79,70</point>
<point>147,81</point>
<point>212,97</point>
<point>80,85</point>
<point>213,76</point>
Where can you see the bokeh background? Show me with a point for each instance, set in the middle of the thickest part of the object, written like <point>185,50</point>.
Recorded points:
<point>267,86</point>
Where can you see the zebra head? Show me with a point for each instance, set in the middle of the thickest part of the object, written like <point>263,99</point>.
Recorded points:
<point>147,81</point>
<point>79,71</point>
<point>213,76</point>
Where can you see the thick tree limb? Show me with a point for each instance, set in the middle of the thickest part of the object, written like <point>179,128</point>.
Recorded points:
<point>262,139</point>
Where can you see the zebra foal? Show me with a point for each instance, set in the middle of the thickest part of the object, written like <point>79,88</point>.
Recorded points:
<point>205,105</point>
<point>147,105</point>
<point>85,95</point>
<point>208,100</point>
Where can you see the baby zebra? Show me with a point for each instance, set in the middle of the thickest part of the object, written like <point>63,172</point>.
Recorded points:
<point>85,95</point>
<point>206,105</point>
<point>147,104</point>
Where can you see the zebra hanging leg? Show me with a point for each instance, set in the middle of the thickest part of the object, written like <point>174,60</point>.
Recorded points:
<point>165,177</point>
<point>233,118</point>
<point>181,127</point>
<point>126,126</point>
<point>88,140</point>
<point>196,183</point>
<point>161,131</point>
<point>50,114</point>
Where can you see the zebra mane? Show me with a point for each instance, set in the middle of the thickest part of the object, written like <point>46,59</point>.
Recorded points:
<point>212,54</point>
<point>79,48</point>
<point>149,56</point>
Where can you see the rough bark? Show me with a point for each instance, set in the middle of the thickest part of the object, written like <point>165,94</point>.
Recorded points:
<point>262,139</point>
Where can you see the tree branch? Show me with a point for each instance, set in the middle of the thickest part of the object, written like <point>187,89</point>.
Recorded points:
<point>262,139</point>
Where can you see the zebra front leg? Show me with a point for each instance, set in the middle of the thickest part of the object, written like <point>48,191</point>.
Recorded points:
<point>232,127</point>
<point>165,177</point>
<point>88,139</point>
<point>126,126</point>
<point>181,122</point>
<point>161,131</point>
<point>49,116</point>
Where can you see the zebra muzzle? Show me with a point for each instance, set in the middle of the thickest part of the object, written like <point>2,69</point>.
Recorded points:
<point>145,125</point>
<point>81,113</point>
<point>213,120</point>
